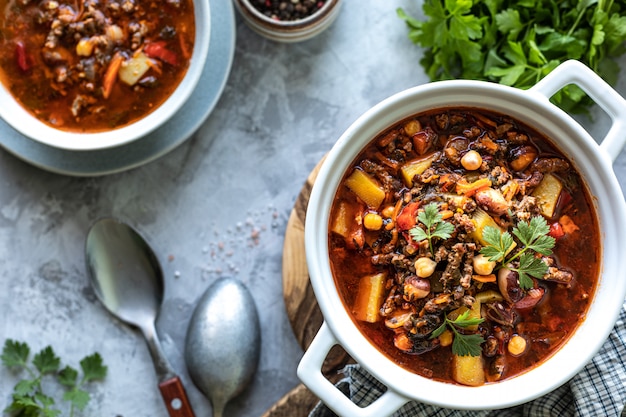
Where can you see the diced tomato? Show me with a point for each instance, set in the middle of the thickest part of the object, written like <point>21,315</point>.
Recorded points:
<point>407,217</point>
<point>556,230</point>
<point>159,51</point>
<point>21,58</point>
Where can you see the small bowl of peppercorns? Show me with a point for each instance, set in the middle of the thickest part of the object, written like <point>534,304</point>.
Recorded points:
<point>288,20</point>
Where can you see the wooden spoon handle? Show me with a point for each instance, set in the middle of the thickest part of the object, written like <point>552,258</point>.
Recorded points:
<point>175,398</point>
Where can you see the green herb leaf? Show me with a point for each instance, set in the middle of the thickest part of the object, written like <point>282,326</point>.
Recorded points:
<point>68,377</point>
<point>439,330</point>
<point>498,243</point>
<point>464,320</point>
<point>530,266</point>
<point>93,368</point>
<point>29,399</point>
<point>46,361</point>
<point>533,239</point>
<point>467,344</point>
<point>435,227</point>
<point>79,398</point>
<point>462,344</point>
<point>518,43</point>
<point>15,353</point>
<point>534,235</point>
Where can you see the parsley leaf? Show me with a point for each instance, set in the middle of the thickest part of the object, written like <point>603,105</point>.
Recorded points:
<point>28,397</point>
<point>533,238</point>
<point>435,226</point>
<point>462,344</point>
<point>46,361</point>
<point>517,43</point>
<point>534,235</point>
<point>93,367</point>
<point>15,354</point>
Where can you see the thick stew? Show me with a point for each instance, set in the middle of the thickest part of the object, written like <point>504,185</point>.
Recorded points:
<point>94,65</point>
<point>465,245</point>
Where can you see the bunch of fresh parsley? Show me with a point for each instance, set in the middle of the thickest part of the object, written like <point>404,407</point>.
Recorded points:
<point>29,399</point>
<point>517,43</point>
<point>532,237</point>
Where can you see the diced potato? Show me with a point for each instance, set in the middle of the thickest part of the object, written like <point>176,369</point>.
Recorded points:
<point>342,220</point>
<point>369,298</point>
<point>488,296</point>
<point>133,69</point>
<point>468,370</point>
<point>481,220</point>
<point>416,167</point>
<point>366,188</point>
<point>547,194</point>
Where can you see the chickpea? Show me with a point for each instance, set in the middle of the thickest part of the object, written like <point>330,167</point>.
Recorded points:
<point>372,221</point>
<point>424,267</point>
<point>517,345</point>
<point>471,161</point>
<point>482,265</point>
<point>84,47</point>
<point>388,211</point>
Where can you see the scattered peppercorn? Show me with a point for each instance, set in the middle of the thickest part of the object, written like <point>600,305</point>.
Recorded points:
<point>288,10</point>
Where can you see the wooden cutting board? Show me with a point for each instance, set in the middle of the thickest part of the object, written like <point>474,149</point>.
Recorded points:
<point>302,309</point>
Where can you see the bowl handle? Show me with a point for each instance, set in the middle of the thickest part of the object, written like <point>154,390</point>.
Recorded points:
<point>309,372</point>
<point>574,72</point>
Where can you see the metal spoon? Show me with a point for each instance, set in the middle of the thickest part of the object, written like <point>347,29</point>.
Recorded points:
<point>223,342</point>
<point>127,278</point>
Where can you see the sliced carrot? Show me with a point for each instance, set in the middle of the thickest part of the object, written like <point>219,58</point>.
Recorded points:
<point>484,278</point>
<point>111,75</point>
<point>468,189</point>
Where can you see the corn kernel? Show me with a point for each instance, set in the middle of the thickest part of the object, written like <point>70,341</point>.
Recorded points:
<point>372,221</point>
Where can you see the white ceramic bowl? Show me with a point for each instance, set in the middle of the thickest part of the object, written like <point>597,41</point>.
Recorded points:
<point>593,161</point>
<point>21,120</point>
<point>289,31</point>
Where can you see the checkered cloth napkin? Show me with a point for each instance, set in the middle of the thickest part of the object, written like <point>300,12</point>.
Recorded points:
<point>598,390</point>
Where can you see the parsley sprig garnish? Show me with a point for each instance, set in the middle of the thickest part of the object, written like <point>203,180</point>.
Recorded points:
<point>517,43</point>
<point>29,399</point>
<point>435,226</point>
<point>462,344</point>
<point>533,237</point>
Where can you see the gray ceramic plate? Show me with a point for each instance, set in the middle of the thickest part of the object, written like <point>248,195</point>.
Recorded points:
<point>174,132</point>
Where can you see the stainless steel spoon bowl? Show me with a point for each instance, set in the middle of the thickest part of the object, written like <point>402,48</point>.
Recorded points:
<point>127,278</point>
<point>223,342</point>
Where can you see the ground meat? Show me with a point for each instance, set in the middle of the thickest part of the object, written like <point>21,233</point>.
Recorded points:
<point>546,165</point>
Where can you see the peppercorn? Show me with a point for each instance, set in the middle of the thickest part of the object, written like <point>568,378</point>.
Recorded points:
<point>288,10</point>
